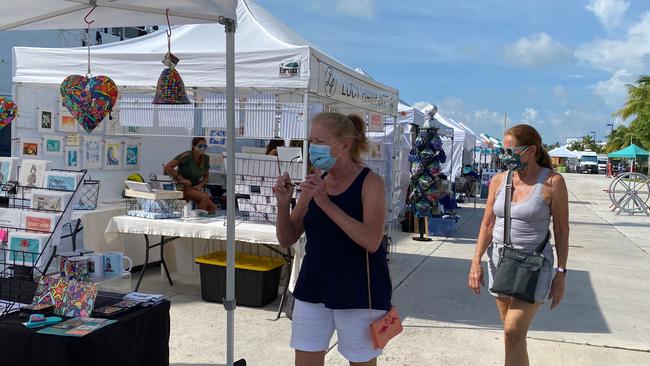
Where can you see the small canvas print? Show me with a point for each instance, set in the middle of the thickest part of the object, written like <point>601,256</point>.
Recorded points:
<point>38,221</point>
<point>53,145</point>
<point>73,139</point>
<point>67,122</point>
<point>45,119</point>
<point>92,152</point>
<point>112,123</point>
<point>132,154</point>
<point>30,148</point>
<point>6,169</point>
<point>32,173</point>
<point>375,122</point>
<point>78,299</point>
<point>375,152</point>
<point>47,201</point>
<point>112,154</point>
<point>72,158</point>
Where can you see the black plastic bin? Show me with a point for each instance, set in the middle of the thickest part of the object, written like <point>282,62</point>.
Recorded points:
<point>257,278</point>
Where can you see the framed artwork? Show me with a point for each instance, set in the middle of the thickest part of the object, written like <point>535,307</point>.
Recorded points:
<point>92,152</point>
<point>65,181</point>
<point>375,122</point>
<point>25,248</point>
<point>216,136</point>
<point>132,150</point>
<point>32,173</point>
<point>72,158</point>
<point>113,154</point>
<point>67,123</point>
<point>30,148</point>
<point>46,118</point>
<point>112,122</point>
<point>217,163</point>
<point>6,169</point>
<point>53,145</point>
<point>375,151</point>
<point>73,139</point>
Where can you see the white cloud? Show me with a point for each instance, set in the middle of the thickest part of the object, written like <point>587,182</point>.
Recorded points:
<point>529,115</point>
<point>536,50</point>
<point>613,91</point>
<point>610,13</point>
<point>631,52</point>
<point>356,8</point>
<point>560,94</point>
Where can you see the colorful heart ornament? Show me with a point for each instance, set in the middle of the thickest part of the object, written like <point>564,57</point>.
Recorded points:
<point>8,111</point>
<point>89,100</point>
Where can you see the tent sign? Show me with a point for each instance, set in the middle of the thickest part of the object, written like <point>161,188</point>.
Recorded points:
<point>344,88</point>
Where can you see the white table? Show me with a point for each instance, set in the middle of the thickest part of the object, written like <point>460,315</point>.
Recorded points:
<point>213,228</point>
<point>78,218</point>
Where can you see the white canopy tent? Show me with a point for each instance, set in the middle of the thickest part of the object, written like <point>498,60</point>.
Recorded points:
<point>562,152</point>
<point>69,14</point>
<point>270,59</point>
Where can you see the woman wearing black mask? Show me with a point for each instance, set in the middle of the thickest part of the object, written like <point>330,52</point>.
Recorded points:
<point>191,169</point>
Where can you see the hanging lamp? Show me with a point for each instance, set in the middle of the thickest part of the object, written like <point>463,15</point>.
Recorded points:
<point>170,88</point>
<point>89,99</point>
<point>8,111</point>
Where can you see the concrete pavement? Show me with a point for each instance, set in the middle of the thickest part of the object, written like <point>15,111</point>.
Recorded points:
<point>603,320</point>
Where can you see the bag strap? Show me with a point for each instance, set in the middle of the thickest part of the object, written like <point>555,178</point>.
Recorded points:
<point>506,209</point>
<point>369,293</point>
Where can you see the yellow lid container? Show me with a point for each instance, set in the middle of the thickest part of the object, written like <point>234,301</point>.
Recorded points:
<point>243,261</point>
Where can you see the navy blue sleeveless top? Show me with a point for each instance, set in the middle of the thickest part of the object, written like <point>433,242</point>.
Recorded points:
<point>333,271</point>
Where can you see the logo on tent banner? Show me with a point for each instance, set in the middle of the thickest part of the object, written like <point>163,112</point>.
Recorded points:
<point>337,86</point>
<point>289,68</point>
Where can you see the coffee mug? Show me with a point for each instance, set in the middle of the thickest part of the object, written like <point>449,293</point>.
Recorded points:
<point>114,264</point>
<point>63,257</point>
<point>76,268</point>
<point>95,265</point>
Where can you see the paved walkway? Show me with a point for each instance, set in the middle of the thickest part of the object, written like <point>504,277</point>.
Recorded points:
<point>604,319</point>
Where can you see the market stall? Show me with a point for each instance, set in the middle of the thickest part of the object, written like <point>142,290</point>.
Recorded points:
<point>560,156</point>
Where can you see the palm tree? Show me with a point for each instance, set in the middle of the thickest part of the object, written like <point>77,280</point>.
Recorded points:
<point>620,137</point>
<point>637,107</point>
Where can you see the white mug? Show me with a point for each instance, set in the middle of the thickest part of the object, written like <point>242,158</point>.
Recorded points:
<point>114,263</point>
<point>96,265</point>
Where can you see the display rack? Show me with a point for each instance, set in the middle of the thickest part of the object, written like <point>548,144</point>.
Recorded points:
<point>27,249</point>
<point>426,188</point>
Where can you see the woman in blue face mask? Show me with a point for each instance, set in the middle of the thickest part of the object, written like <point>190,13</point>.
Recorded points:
<point>539,195</point>
<point>191,169</point>
<point>341,210</point>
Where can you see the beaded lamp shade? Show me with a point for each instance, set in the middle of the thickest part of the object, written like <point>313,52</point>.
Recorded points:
<point>170,88</point>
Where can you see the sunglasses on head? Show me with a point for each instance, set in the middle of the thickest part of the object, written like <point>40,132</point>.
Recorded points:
<point>511,150</point>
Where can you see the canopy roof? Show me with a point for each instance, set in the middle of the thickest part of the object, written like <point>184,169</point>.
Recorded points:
<point>264,45</point>
<point>69,14</point>
<point>562,152</point>
<point>632,152</point>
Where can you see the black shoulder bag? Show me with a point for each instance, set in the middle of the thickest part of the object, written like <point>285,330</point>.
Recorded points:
<point>518,270</point>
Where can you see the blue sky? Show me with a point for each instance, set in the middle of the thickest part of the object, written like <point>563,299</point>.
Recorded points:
<point>560,65</point>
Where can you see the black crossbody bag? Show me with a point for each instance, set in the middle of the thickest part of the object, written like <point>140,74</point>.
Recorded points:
<point>518,270</point>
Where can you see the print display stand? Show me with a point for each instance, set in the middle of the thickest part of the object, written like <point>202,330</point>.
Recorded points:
<point>425,189</point>
<point>31,219</point>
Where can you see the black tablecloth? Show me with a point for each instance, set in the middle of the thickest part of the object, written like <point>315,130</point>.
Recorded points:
<point>140,337</point>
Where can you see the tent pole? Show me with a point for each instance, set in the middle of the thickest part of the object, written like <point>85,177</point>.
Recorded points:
<point>305,148</point>
<point>230,301</point>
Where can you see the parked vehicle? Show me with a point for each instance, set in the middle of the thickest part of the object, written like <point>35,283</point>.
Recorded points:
<point>602,163</point>
<point>586,162</point>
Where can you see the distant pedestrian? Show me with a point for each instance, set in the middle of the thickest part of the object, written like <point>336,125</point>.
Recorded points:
<point>539,194</point>
<point>341,210</point>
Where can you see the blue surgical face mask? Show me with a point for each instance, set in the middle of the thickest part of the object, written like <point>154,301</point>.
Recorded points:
<point>320,156</point>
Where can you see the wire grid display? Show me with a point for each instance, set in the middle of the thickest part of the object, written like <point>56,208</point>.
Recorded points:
<point>27,252</point>
<point>88,195</point>
<point>255,178</point>
<point>154,208</point>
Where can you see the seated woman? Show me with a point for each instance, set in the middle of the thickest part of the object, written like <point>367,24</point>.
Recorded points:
<point>191,169</point>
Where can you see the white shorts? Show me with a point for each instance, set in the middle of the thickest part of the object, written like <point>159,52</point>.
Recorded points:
<point>314,324</point>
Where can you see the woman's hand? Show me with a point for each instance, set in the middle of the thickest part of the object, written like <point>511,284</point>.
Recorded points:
<point>283,189</point>
<point>314,186</point>
<point>557,289</point>
<point>476,277</point>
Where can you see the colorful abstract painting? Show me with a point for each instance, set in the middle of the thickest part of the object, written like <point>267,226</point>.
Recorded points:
<point>8,111</point>
<point>89,100</point>
<point>78,299</point>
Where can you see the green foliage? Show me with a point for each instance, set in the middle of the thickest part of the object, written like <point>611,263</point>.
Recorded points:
<point>636,108</point>
<point>586,143</point>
